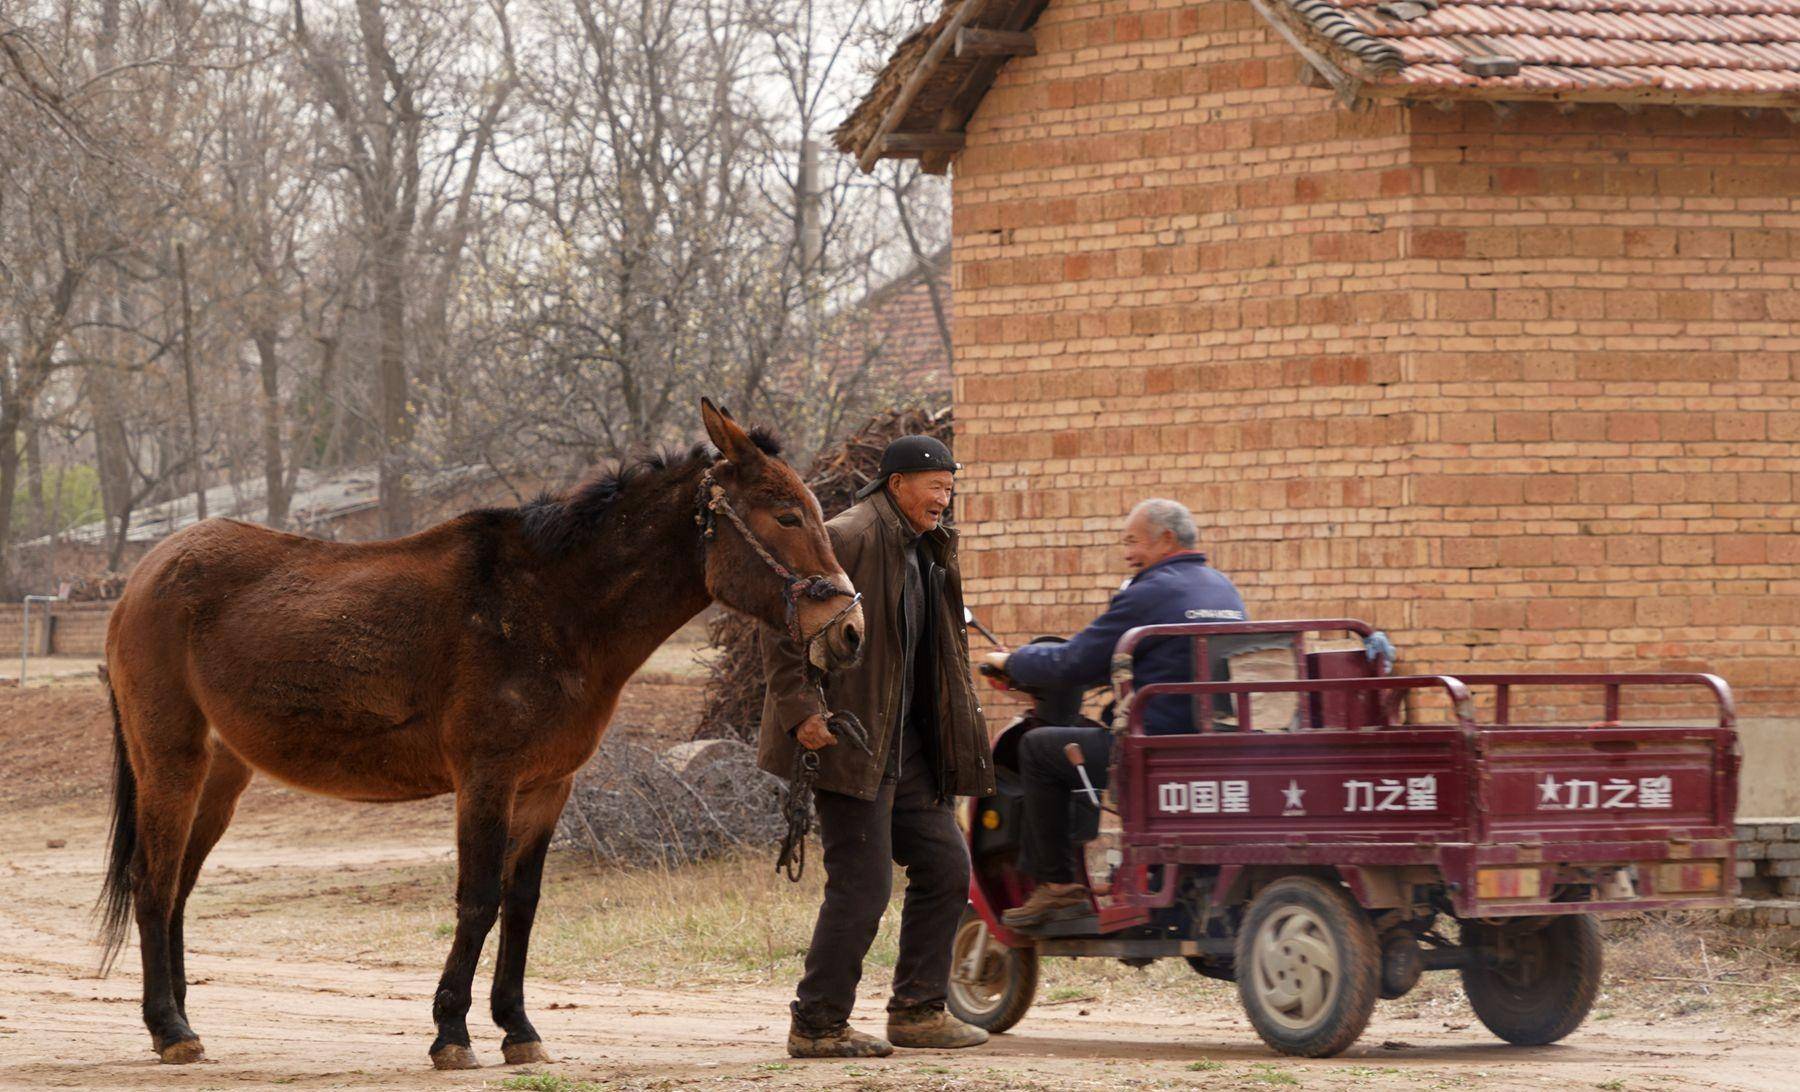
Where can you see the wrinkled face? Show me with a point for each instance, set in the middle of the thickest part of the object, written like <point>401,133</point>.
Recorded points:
<point>922,496</point>
<point>785,518</point>
<point>1145,543</point>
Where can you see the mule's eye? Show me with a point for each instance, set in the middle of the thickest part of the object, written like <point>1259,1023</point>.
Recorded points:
<point>788,519</point>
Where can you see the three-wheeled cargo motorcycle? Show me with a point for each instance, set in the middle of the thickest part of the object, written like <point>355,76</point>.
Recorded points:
<point>1330,856</point>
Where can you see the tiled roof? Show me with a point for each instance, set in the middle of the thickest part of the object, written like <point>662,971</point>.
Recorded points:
<point>1728,52</point>
<point>1677,52</point>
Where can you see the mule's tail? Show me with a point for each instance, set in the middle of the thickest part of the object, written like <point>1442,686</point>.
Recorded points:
<point>114,908</point>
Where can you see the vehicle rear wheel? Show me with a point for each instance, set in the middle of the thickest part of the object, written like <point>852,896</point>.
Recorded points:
<point>993,991</point>
<point>1308,967</point>
<point>1533,986</point>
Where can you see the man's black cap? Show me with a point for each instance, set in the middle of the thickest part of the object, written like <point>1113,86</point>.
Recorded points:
<point>908,454</point>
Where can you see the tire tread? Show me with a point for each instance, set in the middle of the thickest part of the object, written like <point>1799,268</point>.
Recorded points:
<point>1021,990</point>
<point>1576,944</point>
<point>1359,973</point>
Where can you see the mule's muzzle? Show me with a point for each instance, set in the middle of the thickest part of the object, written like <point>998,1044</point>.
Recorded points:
<point>839,646</point>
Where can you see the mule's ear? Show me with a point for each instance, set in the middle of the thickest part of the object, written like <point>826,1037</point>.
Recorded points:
<point>731,440</point>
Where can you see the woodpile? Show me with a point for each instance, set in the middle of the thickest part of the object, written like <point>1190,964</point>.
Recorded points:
<point>637,806</point>
<point>734,689</point>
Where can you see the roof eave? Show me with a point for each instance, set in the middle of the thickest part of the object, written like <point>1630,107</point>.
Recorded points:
<point>1394,90</point>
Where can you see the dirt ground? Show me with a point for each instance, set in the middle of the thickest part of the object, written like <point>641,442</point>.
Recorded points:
<point>316,933</point>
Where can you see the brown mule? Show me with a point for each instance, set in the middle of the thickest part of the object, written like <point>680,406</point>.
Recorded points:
<point>482,657</point>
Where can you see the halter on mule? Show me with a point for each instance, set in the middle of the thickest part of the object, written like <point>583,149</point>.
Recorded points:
<point>796,807</point>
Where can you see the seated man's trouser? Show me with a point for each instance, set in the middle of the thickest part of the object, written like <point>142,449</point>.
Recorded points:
<point>1051,780</point>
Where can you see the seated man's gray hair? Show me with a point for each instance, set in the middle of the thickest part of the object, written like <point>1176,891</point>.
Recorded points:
<point>1170,516</point>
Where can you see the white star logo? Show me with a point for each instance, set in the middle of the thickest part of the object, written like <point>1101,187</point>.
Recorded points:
<point>1548,790</point>
<point>1291,797</point>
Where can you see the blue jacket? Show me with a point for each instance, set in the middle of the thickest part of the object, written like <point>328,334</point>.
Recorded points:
<point>1182,588</point>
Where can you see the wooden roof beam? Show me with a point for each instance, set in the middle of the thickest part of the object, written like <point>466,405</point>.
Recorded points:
<point>915,82</point>
<point>1348,87</point>
<point>981,74</point>
<point>905,144</point>
<point>976,42</point>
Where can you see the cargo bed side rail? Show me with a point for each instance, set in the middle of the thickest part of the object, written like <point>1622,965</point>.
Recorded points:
<point>1461,704</point>
<point>1613,684</point>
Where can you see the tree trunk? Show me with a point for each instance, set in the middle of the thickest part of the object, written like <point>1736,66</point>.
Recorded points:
<point>112,457</point>
<point>11,413</point>
<point>274,476</point>
<point>187,369</point>
<point>396,412</point>
<point>34,479</point>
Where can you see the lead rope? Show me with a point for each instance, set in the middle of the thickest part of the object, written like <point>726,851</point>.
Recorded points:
<point>797,804</point>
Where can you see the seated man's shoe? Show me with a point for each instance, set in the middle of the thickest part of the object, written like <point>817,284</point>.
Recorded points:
<point>1050,902</point>
<point>931,1028</point>
<point>842,1041</point>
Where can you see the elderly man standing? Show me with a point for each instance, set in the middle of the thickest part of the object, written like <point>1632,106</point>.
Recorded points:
<point>1173,584</point>
<point>913,695</point>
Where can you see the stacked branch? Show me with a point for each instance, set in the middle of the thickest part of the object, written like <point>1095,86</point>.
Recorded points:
<point>637,806</point>
<point>734,689</point>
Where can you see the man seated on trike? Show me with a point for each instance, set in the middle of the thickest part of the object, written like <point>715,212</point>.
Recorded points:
<point>1172,584</point>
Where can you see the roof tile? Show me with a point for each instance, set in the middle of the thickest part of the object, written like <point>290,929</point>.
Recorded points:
<point>1690,50</point>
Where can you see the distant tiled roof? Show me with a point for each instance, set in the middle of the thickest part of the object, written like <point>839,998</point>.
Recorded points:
<point>318,500</point>
<point>1724,52</point>
<point>891,336</point>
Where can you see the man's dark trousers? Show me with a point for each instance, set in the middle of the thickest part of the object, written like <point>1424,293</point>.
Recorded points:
<point>1051,780</point>
<point>905,824</point>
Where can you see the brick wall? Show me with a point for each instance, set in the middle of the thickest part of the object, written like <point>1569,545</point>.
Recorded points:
<point>1519,390</point>
<point>79,629</point>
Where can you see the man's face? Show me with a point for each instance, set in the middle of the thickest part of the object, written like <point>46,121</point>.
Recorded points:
<point>922,496</point>
<point>1146,544</point>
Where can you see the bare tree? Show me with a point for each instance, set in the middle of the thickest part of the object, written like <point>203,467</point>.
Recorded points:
<point>240,241</point>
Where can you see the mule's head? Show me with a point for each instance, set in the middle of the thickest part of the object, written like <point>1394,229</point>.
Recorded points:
<point>785,519</point>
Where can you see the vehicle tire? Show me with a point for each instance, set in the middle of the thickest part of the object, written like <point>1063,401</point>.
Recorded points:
<point>1000,991</point>
<point>1535,987</point>
<point>1308,967</point>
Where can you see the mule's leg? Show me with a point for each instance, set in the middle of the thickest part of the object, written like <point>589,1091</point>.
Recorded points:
<point>169,754</point>
<point>533,825</point>
<point>225,782</point>
<point>483,816</point>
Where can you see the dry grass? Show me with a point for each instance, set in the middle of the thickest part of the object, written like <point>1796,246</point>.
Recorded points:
<point>735,922</point>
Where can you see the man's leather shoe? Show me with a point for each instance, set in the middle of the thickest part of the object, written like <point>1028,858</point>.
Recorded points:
<point>842,1041</point>
<point>1050,902</point>
<point>932,1029</point>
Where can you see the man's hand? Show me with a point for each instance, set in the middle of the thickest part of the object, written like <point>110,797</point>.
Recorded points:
<point>812,733</point>
<point>995,662</point>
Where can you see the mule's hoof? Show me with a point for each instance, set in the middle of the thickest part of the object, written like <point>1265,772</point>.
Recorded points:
<point>185,1052</point>
<point>453,1056</point>
<point>527,1054</point>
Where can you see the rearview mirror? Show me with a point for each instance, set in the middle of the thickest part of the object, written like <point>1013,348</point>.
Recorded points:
<point>974,623</point>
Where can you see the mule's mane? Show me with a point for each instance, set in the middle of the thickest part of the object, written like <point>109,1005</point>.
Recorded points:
<point>555,523</point>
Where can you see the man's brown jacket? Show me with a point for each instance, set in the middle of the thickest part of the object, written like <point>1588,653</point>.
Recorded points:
<point>870,541</point>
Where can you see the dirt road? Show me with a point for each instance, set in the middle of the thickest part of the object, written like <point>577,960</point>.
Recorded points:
<point>296,987</point>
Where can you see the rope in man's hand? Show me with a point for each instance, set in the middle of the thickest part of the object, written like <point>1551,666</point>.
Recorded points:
<point>797,805</point>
